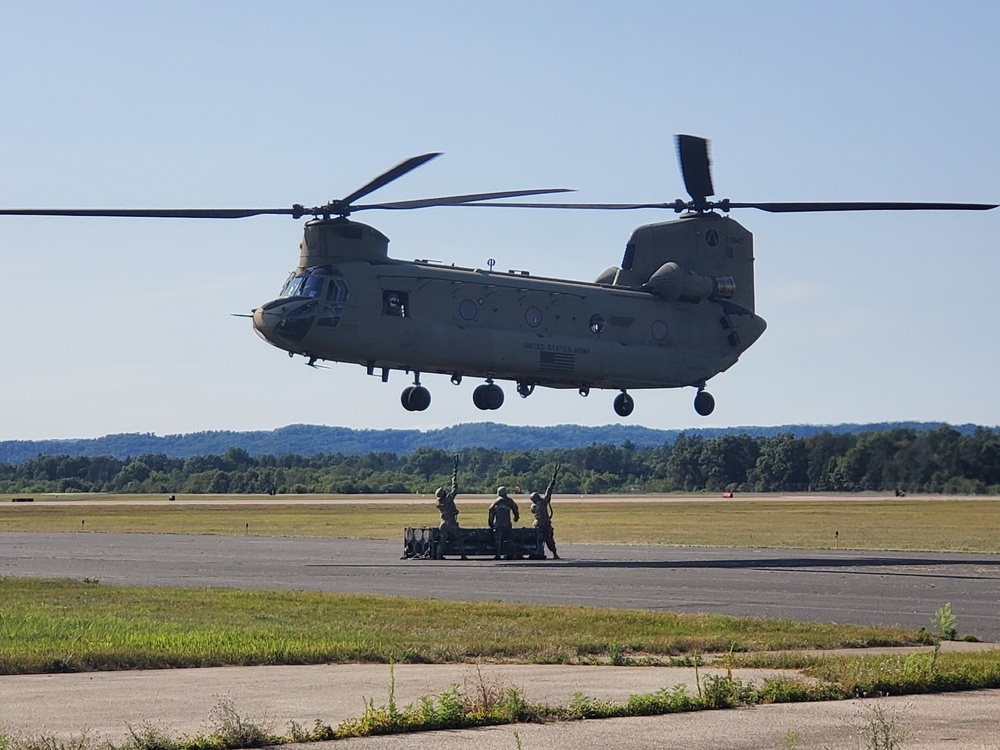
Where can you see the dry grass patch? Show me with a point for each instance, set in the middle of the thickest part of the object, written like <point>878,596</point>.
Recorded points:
<point>866,523</point>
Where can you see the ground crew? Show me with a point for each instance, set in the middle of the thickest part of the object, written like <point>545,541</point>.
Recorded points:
<point>501,511</point>
<point>541,509</point>
<point>450,532</point>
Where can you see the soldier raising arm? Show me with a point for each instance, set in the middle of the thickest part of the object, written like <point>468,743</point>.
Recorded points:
<point>451,535</point>
<point>541,509</point>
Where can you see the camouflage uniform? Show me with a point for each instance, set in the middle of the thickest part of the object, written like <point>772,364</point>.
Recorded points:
<point>500,520</point>
<point>450,532</point>
<point>541,509</point>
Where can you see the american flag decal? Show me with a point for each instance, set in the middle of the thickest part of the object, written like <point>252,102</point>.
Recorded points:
<point>556,362</point>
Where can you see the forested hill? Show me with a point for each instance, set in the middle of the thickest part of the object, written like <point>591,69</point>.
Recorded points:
<point>311,440</point>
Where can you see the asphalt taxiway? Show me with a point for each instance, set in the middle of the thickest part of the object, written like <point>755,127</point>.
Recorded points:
<point>846,586</point>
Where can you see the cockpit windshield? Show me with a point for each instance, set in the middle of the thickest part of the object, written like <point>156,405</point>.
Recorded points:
<point>312,282</point>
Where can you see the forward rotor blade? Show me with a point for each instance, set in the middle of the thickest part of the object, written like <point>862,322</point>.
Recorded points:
<point>459,200</point>
<point>386,177</point>
<point>778,208</point>
<point>151,213</point>
<point>695,166</point>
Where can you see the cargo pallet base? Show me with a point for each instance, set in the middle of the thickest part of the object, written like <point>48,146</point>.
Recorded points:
<point>425,544</point>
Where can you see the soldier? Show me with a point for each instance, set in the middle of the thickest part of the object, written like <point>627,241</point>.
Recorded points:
<point>450,531</point>
<point>541,509</point>
<point>500,520</point>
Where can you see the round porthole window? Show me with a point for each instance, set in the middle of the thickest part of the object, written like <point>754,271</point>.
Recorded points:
<point>532,316</point>
<point>468,309</point>
<point>659,330</point>
<point>597,323</point>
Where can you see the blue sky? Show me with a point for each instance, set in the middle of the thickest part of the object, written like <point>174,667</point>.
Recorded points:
<point>116,325</point>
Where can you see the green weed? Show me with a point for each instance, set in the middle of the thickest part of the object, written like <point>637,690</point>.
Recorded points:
<point>945,623</point>
<point>882,730</point>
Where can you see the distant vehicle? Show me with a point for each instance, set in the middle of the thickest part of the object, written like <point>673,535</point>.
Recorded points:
<point>677,311</point>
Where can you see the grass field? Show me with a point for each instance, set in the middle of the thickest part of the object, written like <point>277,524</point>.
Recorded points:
<point>63,625</point>
<point>926,524</point>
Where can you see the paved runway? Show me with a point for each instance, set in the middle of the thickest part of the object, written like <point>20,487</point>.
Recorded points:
<point>889,588</point>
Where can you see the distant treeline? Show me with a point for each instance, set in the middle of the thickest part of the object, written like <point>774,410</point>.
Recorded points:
<point>314,440</point>
<point>942,460</point>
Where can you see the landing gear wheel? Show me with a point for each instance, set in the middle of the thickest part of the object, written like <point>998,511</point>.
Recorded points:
<point>420,398</point>
<point>415,398</point>
<point>404,398</point>
<point>623,404</point>
<point>488,397</point>
<point>704,403</point>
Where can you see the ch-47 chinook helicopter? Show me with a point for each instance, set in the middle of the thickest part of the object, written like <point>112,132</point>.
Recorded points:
<point>676,312</point>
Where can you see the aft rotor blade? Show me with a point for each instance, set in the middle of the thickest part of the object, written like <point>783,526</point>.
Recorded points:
<point>386,177</point>
<point>151,213</point>
<point>460,200</point>
<point>858,206</point>
<point>695,166</point>
<point>725,205</point>
<point>578,206</point>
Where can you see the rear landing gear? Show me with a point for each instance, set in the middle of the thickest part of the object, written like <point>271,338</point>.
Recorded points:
<point>488,396</point>
<point>416,397</point>
<point>623,404</point>
<point>704,403</point>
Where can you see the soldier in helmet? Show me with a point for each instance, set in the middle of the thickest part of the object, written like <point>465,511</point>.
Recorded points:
<point>500,521</point>
<point>450,532</point>
<point>541,509</point>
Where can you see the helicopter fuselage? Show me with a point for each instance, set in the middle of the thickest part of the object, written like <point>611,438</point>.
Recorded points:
<point>672,315</point>
<point>678,310</point>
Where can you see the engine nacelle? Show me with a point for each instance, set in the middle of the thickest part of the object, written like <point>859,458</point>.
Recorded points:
<point>672,282</point>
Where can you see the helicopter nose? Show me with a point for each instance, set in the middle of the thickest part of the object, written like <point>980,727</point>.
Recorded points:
<point>284,322</point>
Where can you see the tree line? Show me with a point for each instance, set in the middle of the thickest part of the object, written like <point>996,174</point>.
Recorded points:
<point>941,460</point>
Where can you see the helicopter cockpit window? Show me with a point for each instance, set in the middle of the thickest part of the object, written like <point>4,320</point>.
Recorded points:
<point>396,303</point>
<point>313,283</point>
<point>292,286</point>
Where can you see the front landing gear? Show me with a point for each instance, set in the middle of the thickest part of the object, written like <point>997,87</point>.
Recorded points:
<point>704,402</point>
<point>623,404</point>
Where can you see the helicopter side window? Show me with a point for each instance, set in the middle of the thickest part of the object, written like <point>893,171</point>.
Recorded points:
<point>396,303</point>
<point>629,258</point>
